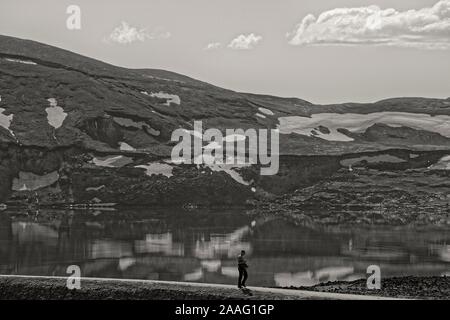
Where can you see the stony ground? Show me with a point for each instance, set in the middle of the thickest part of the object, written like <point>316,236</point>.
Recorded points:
<point>398,287</point>
<point>55,289</point>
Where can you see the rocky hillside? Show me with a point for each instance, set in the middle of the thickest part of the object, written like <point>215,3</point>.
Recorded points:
<point>77,130</point>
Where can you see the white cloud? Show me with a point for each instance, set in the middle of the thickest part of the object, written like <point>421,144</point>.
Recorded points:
<point>427,28</point>
<point>125,34</point>
<point>245,42</point>
<point>213,45</point>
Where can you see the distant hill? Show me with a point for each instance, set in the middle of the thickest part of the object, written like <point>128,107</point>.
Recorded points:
<point>75,129</point>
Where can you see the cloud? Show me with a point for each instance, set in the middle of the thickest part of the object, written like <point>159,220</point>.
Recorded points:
<point>245,42</point>
<point>427,28</point>
<point>213,45</point>
<point>126,34</point>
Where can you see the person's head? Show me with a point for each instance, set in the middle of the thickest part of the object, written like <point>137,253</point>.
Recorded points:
<point>242,252</point>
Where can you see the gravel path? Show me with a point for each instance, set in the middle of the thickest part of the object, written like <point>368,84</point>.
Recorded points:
<point>54,288</point>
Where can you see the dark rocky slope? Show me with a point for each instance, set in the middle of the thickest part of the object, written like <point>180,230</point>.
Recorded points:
<point>77,130</point>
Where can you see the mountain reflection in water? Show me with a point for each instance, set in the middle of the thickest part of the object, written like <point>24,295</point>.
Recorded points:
<point>202,246</point>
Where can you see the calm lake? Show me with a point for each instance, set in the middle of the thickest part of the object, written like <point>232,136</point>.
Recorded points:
<point>203,245</point>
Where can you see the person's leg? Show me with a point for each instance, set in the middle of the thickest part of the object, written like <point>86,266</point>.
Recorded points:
<point>245,277</point>
<point>240,278</point>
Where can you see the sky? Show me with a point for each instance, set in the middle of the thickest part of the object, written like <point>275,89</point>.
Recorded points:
<point>323,51</point>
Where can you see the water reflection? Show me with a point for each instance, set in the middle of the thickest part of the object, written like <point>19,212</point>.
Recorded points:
<point>203,246</point>
<point>159,243</point>
<point>312,277</point>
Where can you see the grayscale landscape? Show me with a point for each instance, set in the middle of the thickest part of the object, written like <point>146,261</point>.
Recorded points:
<point>87,178</point>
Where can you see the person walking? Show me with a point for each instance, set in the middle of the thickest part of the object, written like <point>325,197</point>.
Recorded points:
<point>242,268</point>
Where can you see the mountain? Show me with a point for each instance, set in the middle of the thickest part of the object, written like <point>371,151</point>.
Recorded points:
<point>77,130</point>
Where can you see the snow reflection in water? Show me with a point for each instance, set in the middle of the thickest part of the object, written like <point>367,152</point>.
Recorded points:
<point>203,245</point>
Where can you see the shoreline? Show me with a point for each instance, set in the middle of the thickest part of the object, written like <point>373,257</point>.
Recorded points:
<point>407,287</point>
<point>15,287</point>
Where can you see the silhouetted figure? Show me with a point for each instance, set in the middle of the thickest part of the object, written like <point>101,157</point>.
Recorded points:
<point>242,267</point>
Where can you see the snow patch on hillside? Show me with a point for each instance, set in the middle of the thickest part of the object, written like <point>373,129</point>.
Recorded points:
<point>265,111</point>
<point>111,161</point>
<point>55,114</point>
<point>442,164</point>
<point>21,61</point>
<point>95,188</point>
<point>5,121</point>
<point>126,147</point>
<point>170,98</point>
<point>354,122</point>
<point>234,138</point>
<point>28,181</point>
<point>156,168</point>
<point>228,167</point>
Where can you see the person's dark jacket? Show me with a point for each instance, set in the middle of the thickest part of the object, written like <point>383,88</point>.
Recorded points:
<point>241,262</point>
